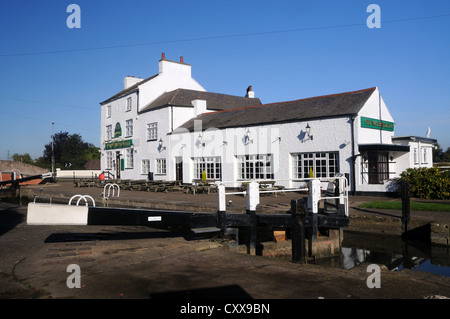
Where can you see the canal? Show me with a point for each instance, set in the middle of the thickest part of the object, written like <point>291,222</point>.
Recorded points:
<point>391,251</point>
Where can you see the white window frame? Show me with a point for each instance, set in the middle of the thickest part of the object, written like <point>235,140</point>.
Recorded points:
<point>145,166</point>
<point>212,165</point>
<point>256,166</point>
<point>152,131</point>
<point>129,158</point>
<point>161,167</point>
<point>129,128</point>
<point>109,132</point>
<point>323,164</point>
<point>108,111</point>
<point>128,104</point>
<point>109,160</point>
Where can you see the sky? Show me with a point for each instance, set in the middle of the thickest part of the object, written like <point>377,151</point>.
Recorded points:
<point>285,49</point>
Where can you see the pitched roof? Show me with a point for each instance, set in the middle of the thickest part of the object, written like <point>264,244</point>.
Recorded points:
<point>128,90</point>
<point>333,105</point>
<point>214,101</point>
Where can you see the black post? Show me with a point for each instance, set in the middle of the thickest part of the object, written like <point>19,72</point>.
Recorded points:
<point>298,232</point>
<point>406,205</point>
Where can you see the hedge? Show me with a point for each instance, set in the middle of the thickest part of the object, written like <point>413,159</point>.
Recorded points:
<point>427,183</point>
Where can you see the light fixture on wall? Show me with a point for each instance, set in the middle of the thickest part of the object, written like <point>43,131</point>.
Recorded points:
<point>161,144</point>
<point>247,136</point>
<point>308,131</point>
<point>200,139</point>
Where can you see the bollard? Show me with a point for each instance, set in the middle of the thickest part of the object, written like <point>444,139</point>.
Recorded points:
<point>252,202</point>
<point>406,205</point>
<point>298,232</point>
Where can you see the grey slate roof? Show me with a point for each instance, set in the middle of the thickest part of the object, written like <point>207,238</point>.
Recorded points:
<point>335,105</point>
<point>128,90</point>
<point>214,101</point>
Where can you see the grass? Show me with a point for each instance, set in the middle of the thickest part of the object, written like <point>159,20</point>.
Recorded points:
<point>417,206</point>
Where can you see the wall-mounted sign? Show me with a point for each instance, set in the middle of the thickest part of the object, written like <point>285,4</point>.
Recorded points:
<point>118,144</point>
<point>377,124</point>
<point>117,130</point>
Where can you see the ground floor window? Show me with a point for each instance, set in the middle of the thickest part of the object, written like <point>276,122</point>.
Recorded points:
<point>161,166</point>
<point>109,160</point>
<point>212,166</point>
<point>129,158</point>
<point>378,167</point>
<point>258,166</point>
<point>145,166</point>
<point>323,164</point>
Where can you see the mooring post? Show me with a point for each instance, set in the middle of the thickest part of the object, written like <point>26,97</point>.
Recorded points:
<point>252,202</point>
<point>298,232</point>
<point>406,205</point>
<point>221,208</point>
<point>313,203</point>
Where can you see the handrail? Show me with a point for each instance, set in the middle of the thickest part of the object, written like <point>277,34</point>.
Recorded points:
<point>80,198</point>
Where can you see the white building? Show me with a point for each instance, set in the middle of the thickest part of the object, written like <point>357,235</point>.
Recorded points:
<point>168,125</point>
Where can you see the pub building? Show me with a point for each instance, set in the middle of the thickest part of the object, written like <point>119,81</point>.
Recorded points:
<point>168,127</point>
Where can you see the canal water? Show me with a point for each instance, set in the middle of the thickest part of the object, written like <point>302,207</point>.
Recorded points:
<point>393,252</point>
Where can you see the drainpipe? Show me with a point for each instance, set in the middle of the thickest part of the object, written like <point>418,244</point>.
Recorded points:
<point>353,175</point>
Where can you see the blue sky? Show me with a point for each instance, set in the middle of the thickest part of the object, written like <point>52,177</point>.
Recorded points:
<point>285,49</point>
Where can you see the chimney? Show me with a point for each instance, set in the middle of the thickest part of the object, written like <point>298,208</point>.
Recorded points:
<point>130,81</point>
<point>181,59</point>
<point>163,56</point>
<point>199,106</point>
<point>250,93</point>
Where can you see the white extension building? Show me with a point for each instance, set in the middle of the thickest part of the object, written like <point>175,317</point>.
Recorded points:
<point>169,126</point>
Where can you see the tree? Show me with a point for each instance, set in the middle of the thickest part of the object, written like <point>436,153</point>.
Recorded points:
<point>58,143</point>
<point>70,151</point>
<point>24,158</point>
<point>439,155</point>
<point>73,152</point>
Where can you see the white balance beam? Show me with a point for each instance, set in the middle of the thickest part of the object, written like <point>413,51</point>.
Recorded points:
<point>56,214</point>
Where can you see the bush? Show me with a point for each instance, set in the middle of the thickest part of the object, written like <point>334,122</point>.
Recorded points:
<point>428,183</point>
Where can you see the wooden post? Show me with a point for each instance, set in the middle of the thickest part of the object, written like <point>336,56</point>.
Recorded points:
<point>406,205</point>
<point>298,232</point>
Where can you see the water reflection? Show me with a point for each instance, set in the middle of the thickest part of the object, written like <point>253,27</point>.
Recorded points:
<point>393,252</point>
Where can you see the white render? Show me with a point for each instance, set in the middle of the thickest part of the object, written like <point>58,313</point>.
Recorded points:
<point>282,142</point>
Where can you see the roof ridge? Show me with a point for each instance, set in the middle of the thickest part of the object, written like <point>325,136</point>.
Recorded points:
<point>304,99</point>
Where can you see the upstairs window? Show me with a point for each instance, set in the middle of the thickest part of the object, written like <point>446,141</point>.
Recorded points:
<point>152,131</point>
<point>129,128</point>
<point>128,104</point>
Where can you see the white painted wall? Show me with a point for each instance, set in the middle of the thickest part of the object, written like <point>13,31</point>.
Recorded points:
<point>172,75</point>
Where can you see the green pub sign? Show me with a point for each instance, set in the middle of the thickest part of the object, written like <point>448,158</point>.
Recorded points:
<point>118,144</point>
<point>377,124</point>
<point>117,130</point>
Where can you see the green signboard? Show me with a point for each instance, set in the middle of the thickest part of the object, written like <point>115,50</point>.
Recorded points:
<point>117,130</point>
<point>118,144</point>
<point>377,124</point>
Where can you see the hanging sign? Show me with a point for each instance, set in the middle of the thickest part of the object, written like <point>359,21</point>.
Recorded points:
<point>377,124</point>
<point>117,130</point>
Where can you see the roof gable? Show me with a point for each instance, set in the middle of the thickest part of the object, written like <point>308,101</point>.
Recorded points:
<point>128,90</point>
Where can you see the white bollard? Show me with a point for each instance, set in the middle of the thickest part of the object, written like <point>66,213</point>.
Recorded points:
<point>252,196</point>
<point>314,195</point>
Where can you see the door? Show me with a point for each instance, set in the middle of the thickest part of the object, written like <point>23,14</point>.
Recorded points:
<point>118,165</point>
<point>179,170</point>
